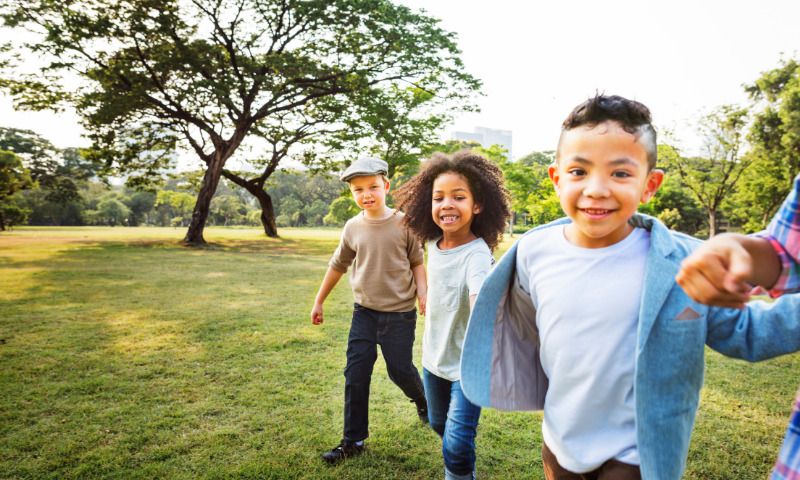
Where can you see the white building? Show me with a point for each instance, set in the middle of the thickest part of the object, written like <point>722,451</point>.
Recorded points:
<point>487,137</point>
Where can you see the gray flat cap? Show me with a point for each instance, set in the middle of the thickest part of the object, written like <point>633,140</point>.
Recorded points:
<point>364,166</point>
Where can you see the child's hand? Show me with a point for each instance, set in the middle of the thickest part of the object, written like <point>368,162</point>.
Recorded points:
<point>717,272</point>
<point>316,314</point>
<point>422,300</point>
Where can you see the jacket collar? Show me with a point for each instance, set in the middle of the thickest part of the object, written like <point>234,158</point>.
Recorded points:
<point>659,278</point>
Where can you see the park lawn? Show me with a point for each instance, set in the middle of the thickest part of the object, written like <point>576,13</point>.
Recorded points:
<point>124,354</point>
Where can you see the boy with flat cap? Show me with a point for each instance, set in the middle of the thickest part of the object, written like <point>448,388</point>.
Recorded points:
<point>387,275</point>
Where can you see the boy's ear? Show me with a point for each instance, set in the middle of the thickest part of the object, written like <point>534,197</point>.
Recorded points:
<point>654,179</point>
<point>552,171</point>
<point>385,185</point>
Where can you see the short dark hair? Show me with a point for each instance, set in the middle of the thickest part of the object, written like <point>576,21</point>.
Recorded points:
<point>632,116</point>
<point>486,184</point>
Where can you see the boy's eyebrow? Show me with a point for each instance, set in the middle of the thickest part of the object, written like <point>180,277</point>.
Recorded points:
<point>619,161</point>
<point>625,161</point>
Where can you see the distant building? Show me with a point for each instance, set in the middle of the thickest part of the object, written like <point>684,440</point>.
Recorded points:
<point>487,137</point>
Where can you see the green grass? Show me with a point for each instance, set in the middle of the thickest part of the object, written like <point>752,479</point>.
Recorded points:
<point>126,355</point>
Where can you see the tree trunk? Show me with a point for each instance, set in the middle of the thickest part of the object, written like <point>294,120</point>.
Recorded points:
<point>267,209</point>
<point>712,223</point>
<point>194,236</point>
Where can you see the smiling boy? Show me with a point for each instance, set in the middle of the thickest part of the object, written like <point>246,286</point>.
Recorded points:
<point>582,317</point>
<point>387,275</point>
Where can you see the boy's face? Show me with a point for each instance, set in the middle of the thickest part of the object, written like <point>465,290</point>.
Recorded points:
<point>601,176</point>
<point>369,192</point>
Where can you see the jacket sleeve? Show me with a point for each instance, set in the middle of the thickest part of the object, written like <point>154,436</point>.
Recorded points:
<point>759,331</point>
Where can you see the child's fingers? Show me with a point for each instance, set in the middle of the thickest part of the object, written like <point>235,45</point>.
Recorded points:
<point>701,288</point>
<point>708,266</point>
<point>740,268</point>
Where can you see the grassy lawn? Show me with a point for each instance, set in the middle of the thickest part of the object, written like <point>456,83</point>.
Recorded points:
<point>126,355</point>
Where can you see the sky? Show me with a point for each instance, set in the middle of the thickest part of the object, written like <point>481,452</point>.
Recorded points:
<point>537,60</point>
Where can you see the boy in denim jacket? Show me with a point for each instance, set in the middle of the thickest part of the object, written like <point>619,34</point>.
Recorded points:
<point>583,318</point>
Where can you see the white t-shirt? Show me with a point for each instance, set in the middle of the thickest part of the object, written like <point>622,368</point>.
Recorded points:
<point>587,312</point>
<point>453,275</point>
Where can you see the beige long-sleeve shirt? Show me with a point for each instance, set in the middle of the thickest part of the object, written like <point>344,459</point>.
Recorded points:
<point>382,254</point>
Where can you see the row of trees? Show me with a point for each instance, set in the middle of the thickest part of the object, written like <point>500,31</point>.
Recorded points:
<point>304,198</point>
<point>64,189</point>
<point>750,157</point>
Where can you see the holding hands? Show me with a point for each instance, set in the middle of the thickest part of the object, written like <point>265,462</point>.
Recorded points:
<point>723,270</point>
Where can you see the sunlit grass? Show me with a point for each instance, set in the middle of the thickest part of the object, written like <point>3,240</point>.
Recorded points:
<point>125,354</point>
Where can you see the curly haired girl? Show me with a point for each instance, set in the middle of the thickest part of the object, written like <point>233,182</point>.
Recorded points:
<point>458,205</point>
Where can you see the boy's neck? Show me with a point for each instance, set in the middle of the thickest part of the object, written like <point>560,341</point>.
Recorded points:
<point>378,215</point>
<point>455,239</point>
<point>579,239</point>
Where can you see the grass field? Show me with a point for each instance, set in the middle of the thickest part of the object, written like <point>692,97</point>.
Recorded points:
<point>126,355</point>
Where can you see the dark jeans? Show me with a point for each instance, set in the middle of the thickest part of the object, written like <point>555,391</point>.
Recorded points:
<point>394,332</point>
<point>455,419</point>
<point>610,470</point>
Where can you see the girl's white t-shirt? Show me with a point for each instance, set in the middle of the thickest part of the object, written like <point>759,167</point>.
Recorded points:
<point>587,312</point>
<point>453,275</point>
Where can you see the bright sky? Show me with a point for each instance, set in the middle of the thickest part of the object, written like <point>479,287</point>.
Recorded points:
<point>680,58</point>
<point>539,59</point>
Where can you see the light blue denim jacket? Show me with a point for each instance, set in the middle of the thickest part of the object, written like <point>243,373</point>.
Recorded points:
<point>500,364</point>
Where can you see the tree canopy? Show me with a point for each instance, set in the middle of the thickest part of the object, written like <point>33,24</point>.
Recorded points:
<point>160,76</point>
<point>774,138</point>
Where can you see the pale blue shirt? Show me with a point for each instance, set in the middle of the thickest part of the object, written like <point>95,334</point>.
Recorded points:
<point>453,275</point>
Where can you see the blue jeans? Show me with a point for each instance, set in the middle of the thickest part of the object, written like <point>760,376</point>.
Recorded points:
<point>394,332</point>
<point>455,419</point>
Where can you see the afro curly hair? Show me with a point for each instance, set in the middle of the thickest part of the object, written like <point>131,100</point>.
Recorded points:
<point>486,184</point>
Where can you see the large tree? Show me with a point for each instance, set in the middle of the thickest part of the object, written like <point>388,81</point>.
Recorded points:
<point>712,178</point>
<point>202,75</point>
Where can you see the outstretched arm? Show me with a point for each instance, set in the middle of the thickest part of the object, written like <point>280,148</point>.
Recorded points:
<point>759,331</point>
